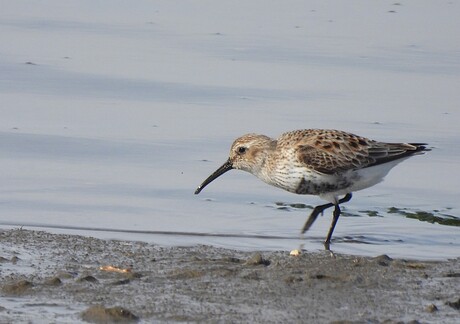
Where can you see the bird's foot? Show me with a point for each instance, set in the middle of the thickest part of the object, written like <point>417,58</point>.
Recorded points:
<point>327,248</point>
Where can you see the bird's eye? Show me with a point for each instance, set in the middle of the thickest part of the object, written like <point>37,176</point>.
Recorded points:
<point>241,149</point>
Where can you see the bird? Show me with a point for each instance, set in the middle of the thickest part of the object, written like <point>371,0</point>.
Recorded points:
<point>328,163</point>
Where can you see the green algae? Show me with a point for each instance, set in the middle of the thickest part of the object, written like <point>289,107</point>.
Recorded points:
<point>434,216</point>
<point>425,216</point>
<point>370,213</point>
<point>293,205</point>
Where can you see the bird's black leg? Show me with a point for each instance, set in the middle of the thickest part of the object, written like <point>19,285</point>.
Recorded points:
<point>314,214</point>
<point>335,218</point>
<point>346,198</point>
<point>319,209</point>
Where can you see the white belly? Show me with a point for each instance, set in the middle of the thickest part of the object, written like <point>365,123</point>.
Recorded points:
<point>329,187</point>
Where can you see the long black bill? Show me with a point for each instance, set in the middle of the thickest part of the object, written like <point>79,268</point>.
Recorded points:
<point>227,166</point>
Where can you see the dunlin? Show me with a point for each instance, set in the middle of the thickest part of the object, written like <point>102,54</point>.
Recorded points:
<point>326,163</point>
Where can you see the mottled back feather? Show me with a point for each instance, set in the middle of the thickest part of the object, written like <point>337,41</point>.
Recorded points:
<point>332,151</point>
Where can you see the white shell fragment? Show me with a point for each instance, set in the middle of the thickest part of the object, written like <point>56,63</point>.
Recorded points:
<point>295,252</point>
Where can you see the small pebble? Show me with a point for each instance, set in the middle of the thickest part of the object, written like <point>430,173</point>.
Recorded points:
<point>257,259</point>
<point>431,308</point>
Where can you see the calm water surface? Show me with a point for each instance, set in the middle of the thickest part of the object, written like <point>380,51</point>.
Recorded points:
<point>108,131</point>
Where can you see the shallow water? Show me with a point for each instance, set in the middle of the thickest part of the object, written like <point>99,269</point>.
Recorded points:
<point>123,113</point>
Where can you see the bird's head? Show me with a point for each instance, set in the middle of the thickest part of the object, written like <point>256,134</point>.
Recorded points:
<point>247,153</point>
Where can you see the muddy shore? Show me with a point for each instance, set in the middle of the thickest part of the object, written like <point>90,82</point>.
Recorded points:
<point>67,278</point>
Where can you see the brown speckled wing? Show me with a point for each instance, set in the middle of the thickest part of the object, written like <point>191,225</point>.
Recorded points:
<point>386,152</point>
<point>331,151</point>
<point>325,161</point>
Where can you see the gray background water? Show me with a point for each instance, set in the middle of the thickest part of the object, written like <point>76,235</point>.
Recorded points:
<point>113,112</point>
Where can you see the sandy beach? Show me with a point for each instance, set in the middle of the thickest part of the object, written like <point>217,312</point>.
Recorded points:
<point>57,278</point>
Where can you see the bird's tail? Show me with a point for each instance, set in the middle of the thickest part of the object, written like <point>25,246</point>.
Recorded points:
<point>420,148</point>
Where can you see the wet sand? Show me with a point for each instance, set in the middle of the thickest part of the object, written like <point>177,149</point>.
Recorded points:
<point>66,278</point>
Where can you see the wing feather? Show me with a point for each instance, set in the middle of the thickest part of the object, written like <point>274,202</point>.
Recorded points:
<point>331,151</point>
